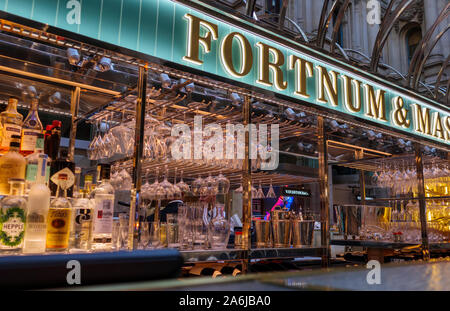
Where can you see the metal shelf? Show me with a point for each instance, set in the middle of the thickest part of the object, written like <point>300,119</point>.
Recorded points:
<point>387,244</point>
<point>193,256</point>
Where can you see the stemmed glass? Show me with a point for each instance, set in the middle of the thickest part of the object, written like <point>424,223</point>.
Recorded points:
<point>260,192</point>
<point>271,192</point>
<point>184,187</point>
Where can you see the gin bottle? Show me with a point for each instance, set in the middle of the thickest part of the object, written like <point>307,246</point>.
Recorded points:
<point>103,200</point>
<point>13,218</point>
<point>33,161</point>
<point>31,127</point>
<point>12,165</point>
<point>59,218</point>
<point>11,124</point>
<point>80,236</point>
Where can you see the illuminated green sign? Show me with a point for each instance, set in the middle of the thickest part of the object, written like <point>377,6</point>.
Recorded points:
<point>174,32</point>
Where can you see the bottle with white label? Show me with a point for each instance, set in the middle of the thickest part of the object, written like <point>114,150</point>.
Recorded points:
<point>31,128</point>
<point>11,124</point>
<point>38,205</point>
<point>33,162</point>
<point>59,217</point>
<point>103,200</point>
<point>80,235</point>
<point>13,218</point>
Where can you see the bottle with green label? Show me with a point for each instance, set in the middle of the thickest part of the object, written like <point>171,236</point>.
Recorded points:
<point>33,161</point>
<point>13,218</point>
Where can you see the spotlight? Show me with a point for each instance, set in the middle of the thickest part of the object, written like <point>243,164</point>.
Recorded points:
<point>55,99</point>
<point>190,88</point>
<point>31,91</point>
<point>73,56</point>
<point>290,114</point>
<point>371,135</point>
<point>104,64</point>
<point>401,143</point>
<point>165,80</point>
<point>236,98</point>
<point>309,148</point>
<point>300,146</point>
<point>334,125</point>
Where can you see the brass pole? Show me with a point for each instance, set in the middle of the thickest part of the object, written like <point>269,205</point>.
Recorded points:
<point>422,203</point>
<point>74,105</point>
<point>324,195</point>
<point>362,180</point>
<point>246,184</point>
<point>134,225</point>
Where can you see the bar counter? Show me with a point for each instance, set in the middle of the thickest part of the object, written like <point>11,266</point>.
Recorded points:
<point>417,276</point>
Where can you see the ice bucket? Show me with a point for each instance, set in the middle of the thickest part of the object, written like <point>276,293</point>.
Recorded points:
<point>281,233</point>
<point>262,233</point>
<point>302,232</point>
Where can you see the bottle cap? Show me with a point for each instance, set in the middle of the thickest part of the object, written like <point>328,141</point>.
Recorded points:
<point>15,136</point>
<point>56,123</point>
<point>14,98</point>
<point>14,144</point>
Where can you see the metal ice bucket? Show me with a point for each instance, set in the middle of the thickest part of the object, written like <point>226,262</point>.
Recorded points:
<point>302,232</point>
<point>263,233</point>
<point>281,233</point>
<point>350,218</point>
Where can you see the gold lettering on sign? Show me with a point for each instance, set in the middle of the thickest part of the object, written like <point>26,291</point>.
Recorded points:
<point>447,126</point>
<point>375,103</point>
<point>352,105</point>
<point>246,55</point>
<point>265,66</point>
<point>438,128</point>
<point>195,40</point>
<point>422,120</point>
<point>303,69</point>
<point>327,84</point>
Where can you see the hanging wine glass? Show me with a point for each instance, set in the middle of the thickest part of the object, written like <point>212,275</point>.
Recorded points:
<point>177,193</point>
<point>196,186</point>
<point>271,192</point>
<point>167,186</point>
<point>223,184</point>
<point>184,187</point>
<point>260,192</point>
<point>209,186</point>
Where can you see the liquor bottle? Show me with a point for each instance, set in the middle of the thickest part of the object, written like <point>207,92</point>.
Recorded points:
<point>47,137</point>
<point>77,191</point>
<point>12,165</point>
<point>103,200</point>
<point>38,206</point>
<point>11,124</point>
<point>13,218</point>
<point>33,162</point>
<point>31,127</point>
<point>80,235</point>
<point>55,139</point>
<point>57,165</point>
<point>59,218</point>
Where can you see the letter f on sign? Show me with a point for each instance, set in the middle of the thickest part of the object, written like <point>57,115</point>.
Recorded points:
<point>374,275</point>
<point>195,39</point>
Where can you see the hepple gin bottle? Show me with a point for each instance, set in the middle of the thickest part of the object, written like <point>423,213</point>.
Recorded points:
<point>13,218</point>
<point>103,200</point>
